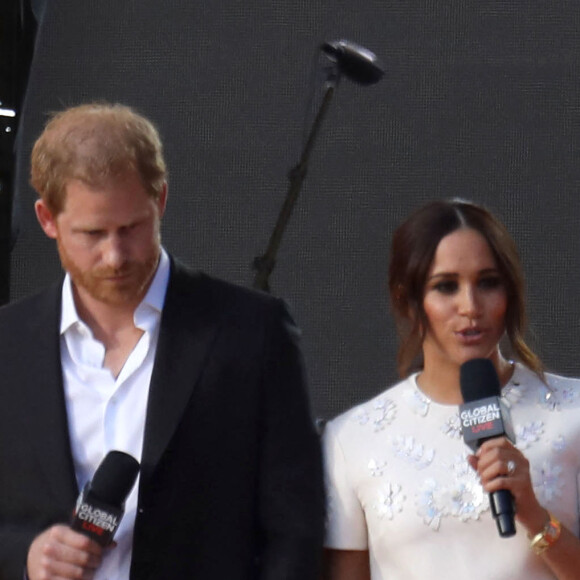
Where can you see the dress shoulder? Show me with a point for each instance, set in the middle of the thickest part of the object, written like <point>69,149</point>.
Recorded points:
<point>363,412</point>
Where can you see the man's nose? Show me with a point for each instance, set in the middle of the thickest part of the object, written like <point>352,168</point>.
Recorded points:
<point>114,253</point>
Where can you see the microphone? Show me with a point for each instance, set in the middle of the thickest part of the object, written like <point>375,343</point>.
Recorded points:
<point>356,62</point>
<point>484,415</point>
<point>101,504</point>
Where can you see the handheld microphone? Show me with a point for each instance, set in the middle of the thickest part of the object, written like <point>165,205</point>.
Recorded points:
<point>356,62</point>
<point>101,504</point>
<point>484,415</point>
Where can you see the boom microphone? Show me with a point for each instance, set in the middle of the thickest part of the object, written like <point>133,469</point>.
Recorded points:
<point>101,504</point>
<point>356,62</point>
<point>483,416</point>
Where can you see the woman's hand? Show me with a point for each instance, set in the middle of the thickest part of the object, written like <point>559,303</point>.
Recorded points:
<point>501,465</point>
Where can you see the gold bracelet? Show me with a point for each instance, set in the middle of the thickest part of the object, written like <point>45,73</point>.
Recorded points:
<point>547,537</point>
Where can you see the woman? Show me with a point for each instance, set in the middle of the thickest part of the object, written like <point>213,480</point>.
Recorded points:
<point>406,499</point>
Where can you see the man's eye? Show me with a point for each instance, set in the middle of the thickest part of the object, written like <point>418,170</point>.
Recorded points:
<point>127,229</point>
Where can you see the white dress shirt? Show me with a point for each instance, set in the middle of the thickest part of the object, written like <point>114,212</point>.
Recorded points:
<point>104,412</point>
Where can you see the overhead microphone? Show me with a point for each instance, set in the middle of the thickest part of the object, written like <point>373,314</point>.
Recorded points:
<point>361,66</point>
<point>101,504</point>
<point>354,61</point>
<point>483,416</point>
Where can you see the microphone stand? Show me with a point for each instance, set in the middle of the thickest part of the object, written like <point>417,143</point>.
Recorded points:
<point>264,264</point>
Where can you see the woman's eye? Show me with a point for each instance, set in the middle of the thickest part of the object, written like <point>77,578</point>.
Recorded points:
<point>490,283</point>
<point>447,287</point>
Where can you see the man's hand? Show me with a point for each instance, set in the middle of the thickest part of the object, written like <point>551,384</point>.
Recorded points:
<point>60,553</point>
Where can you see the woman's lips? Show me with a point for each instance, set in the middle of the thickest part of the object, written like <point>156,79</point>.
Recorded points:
<point>470,336</point>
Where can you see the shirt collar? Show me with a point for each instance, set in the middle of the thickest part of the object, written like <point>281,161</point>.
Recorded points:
<point>153,299</point>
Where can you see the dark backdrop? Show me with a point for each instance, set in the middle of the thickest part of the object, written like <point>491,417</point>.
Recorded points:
<point>479,100</point>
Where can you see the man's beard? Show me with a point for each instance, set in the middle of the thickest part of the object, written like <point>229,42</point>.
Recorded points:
<point>136,277</point>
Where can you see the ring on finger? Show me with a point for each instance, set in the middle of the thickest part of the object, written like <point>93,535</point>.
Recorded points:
<point>511,467</point>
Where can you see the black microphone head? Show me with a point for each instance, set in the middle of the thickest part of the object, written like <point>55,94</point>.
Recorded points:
<point>478,380</point>
<point>356,62</point>
<point>114,477</point>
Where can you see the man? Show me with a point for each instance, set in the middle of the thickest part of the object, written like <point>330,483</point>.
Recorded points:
<point>200,380</point>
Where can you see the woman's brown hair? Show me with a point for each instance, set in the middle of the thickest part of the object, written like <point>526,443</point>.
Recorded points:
<point>412,252</point>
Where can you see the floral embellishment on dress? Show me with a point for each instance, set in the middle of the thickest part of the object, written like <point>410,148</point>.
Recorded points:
<point>547,481</point>
<point>513,393</point>
<point>466,497</point>
<point>452,427</point>
<point>467,500</point>
<point>417,401</point>
<point>407,448</point>
<point>461,468</point>
<point>559,444</point>
<point>561,394</point>
<point>382,413</point>
<point>528,434</point>
<point>376,468</point>
<point>362,416</point>
<point>548,399</point>
<point>430,504</point>
<point>389,501</point>
<point>568,395</point>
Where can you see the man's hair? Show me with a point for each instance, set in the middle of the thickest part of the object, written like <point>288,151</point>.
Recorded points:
<point>95,143</point>
<point>413,249</point>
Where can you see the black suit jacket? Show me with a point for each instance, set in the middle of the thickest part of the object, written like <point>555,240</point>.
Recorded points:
<point>231,484</point>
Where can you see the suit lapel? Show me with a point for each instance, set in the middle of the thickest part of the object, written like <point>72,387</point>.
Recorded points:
<point>41,388</point>
<point>188,327</point>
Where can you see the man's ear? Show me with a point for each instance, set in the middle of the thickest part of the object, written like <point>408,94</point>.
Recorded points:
<point>45,218</point>
<point>162,201</point>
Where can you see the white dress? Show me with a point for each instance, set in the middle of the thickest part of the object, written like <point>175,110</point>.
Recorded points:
<point>399,484</point>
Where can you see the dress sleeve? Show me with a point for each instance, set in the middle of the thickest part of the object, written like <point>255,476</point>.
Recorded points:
<point>346,527</point>
<point>578,497</point>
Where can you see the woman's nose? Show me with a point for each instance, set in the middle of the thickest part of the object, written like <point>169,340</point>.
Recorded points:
<point>468,302</point>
